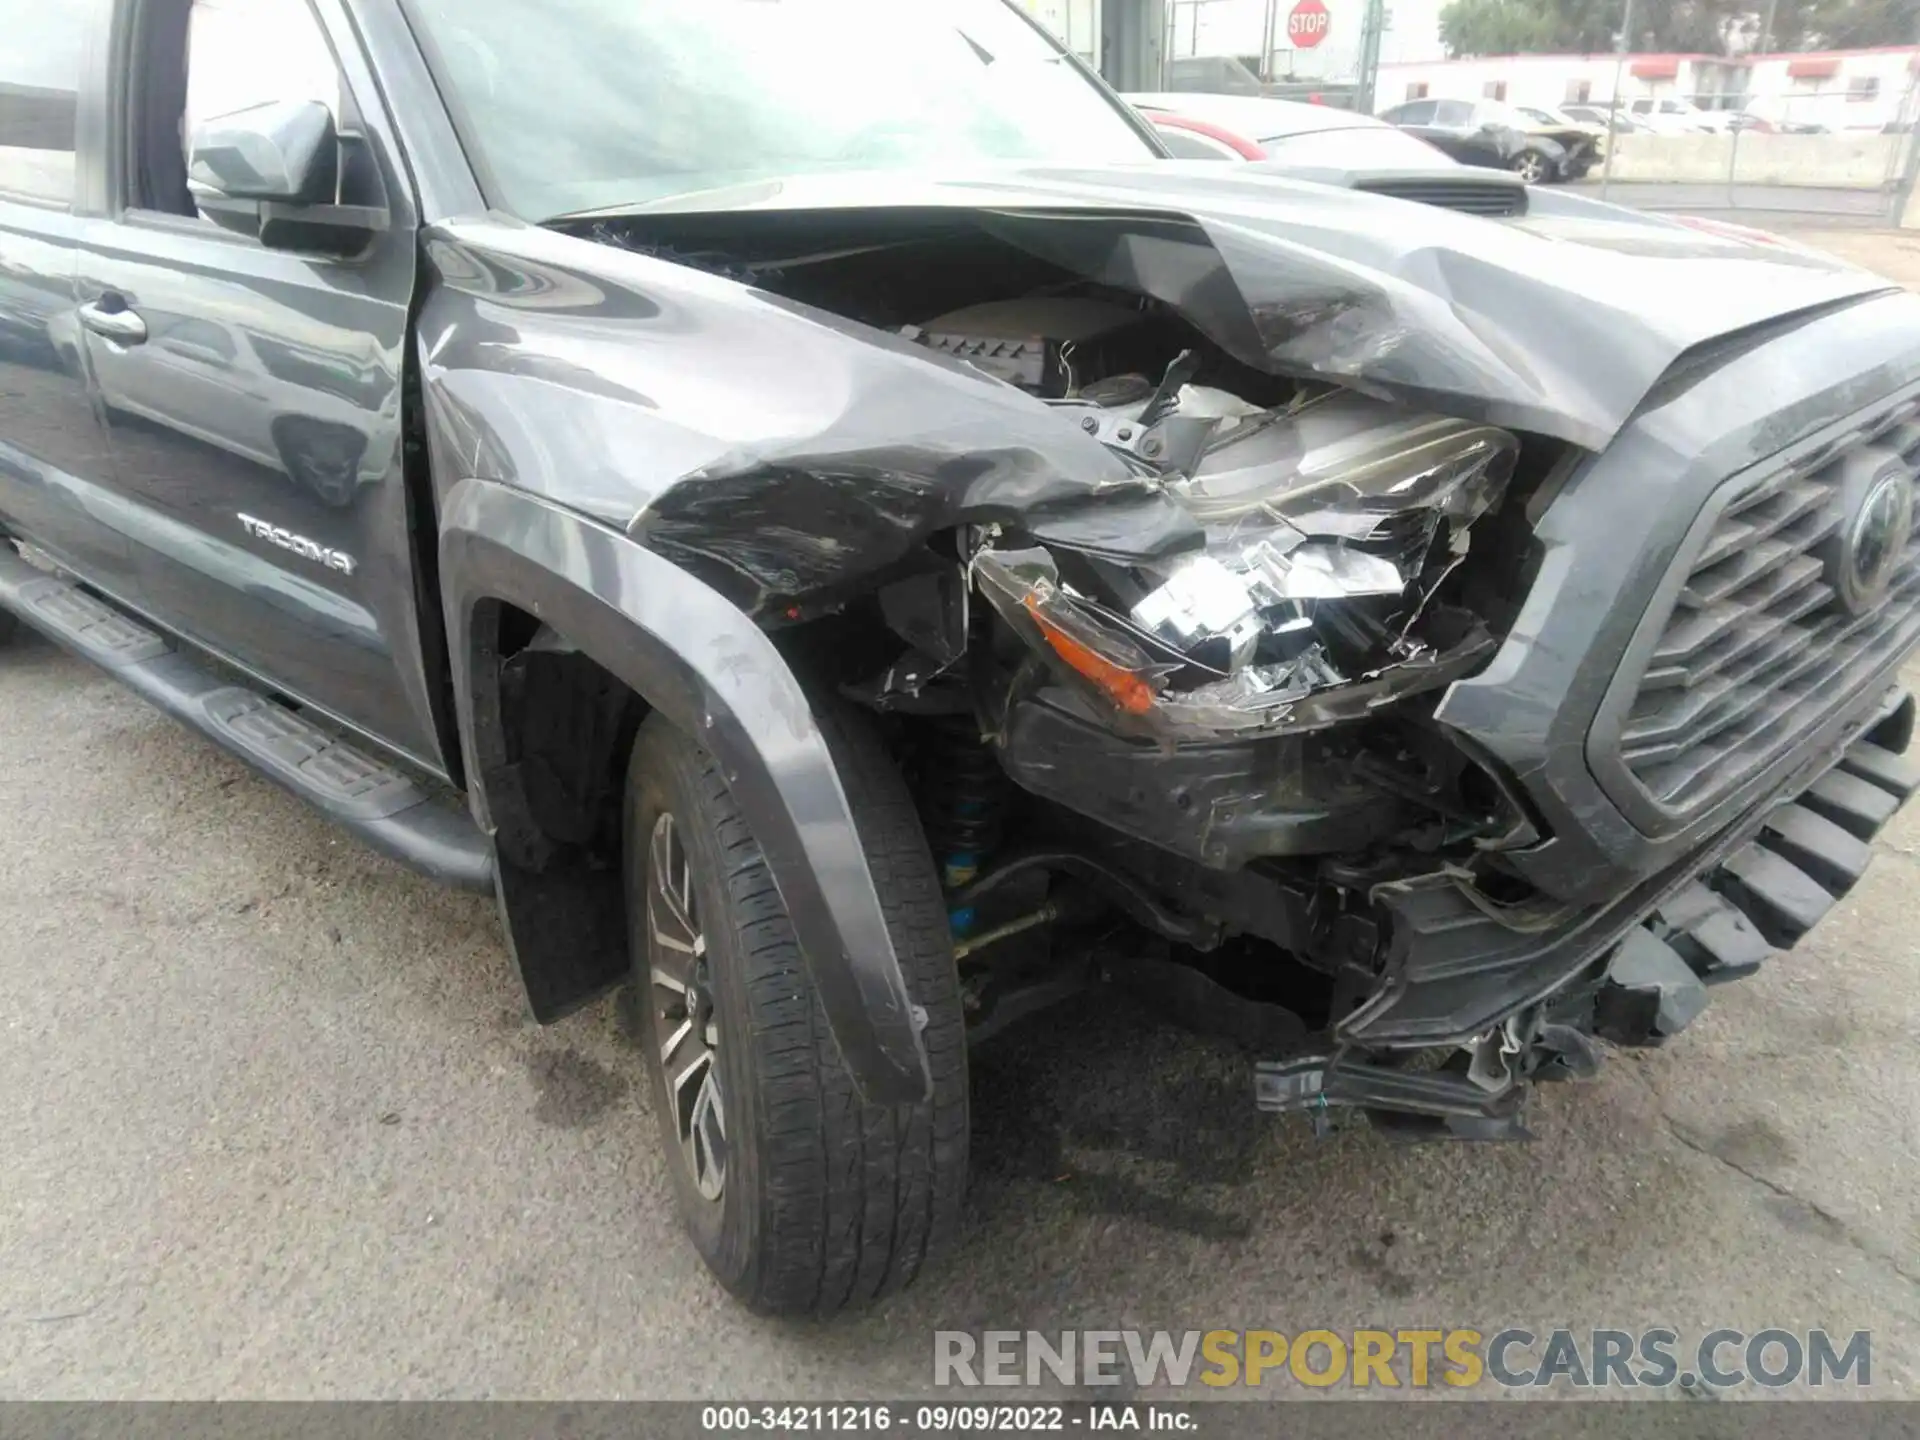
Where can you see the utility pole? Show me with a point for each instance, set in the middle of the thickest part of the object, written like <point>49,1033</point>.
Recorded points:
<point>1908,159</point>
<point>1766,48</point>
<point>1135,36</point>
<point>1375,24</point>
<point>1613,107</point>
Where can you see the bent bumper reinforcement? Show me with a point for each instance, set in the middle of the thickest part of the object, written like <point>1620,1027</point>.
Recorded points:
<point>1634,973</point>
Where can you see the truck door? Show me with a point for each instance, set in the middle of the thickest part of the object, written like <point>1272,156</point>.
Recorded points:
<point>251,376</point>
<point>55,471</point>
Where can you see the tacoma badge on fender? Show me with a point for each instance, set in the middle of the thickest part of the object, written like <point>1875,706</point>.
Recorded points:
<point>299,544</point>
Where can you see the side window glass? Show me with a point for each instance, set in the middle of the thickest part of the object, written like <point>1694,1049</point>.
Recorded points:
<point>40,47</point>
<point>1418,113</point>
<point>1453,112</point>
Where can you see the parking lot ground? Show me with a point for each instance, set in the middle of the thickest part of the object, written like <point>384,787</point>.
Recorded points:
<point>273,1123</point>
<point>1769,207</point>
<point>1892,253</point>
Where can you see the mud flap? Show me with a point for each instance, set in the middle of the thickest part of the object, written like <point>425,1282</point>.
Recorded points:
<point>695,658</point>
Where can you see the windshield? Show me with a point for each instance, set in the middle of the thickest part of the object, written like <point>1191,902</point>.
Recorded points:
<point>1356,148</point>
<point>588,104</point>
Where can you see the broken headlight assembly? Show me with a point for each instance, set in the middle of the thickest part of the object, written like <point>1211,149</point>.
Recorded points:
<point>1331,527</point>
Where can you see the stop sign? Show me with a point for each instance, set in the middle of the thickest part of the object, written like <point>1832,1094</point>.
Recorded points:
<point>1308,24</point>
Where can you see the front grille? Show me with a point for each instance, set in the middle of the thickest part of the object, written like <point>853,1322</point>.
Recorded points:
<point>1758,649</point>
<point>1474,197</point>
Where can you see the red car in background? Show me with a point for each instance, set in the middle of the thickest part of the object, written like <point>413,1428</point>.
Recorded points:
<point>1327,144</point>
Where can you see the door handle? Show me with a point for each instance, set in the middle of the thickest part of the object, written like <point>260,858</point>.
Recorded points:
<point>123,326</point>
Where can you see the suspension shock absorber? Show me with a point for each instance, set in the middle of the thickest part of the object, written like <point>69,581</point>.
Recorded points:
<point>963,799</point>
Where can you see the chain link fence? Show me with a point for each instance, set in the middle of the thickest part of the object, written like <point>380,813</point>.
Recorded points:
<point>1833,135</point>
<point>1828,137</point>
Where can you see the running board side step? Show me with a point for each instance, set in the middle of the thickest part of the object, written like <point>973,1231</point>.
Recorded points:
<point>365,795</point>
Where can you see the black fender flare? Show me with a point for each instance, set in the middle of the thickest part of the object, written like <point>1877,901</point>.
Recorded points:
<point>691,655</point>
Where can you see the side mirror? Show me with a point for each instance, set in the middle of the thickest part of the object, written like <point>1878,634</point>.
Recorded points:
<point>274,171</point>
<point>287,151</point>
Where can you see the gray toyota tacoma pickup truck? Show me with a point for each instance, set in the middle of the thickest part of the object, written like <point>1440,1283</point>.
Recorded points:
<point>807,505</point>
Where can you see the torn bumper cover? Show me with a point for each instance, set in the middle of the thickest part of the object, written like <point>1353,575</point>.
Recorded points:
<point>1503,1007</point>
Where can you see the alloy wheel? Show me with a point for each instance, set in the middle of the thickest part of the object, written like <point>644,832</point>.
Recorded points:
<point>681,1001</point>
<point>1531,168</point>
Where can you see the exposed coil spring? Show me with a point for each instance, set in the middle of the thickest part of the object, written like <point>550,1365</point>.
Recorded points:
<point>963,798</point>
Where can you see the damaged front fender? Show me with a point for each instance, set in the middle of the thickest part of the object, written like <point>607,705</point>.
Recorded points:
<point>775,451</point>
<point>684,650</point>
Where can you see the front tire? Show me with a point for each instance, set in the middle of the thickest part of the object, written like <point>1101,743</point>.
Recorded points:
<point>1533,167</point>
<point>800,1198</point>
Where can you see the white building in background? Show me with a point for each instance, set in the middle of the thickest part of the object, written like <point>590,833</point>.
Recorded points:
<point>1242,28</point>
<point>1559,79</point>
<point>1413,32</point>
<point>1249,28</point>
<point>1245,27</point>
<point>1840,89</point>
<point>1076,22</point>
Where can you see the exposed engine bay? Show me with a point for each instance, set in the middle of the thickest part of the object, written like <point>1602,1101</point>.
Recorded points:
<point>1264,554</point>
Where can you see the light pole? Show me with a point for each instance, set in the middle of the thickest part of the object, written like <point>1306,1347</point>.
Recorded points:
<point>1733,151</point>
<point>1375,23</point>
<point>1613,106</point>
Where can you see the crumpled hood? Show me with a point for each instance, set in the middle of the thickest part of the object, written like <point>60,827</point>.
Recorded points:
<point>1558,322</point>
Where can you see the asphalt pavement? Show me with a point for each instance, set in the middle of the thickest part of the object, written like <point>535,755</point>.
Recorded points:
<point>274,1124</point>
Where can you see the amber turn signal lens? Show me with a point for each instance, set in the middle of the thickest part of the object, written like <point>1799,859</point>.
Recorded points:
<point>1127,690</point>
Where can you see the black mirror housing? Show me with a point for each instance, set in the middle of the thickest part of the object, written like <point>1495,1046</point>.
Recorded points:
<point>273,171</point>
<point>331,229</point>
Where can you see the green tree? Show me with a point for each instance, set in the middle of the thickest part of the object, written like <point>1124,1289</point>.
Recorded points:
<point>1844,24</point>
<point>1709,27</point>
<point>1496,27</point>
